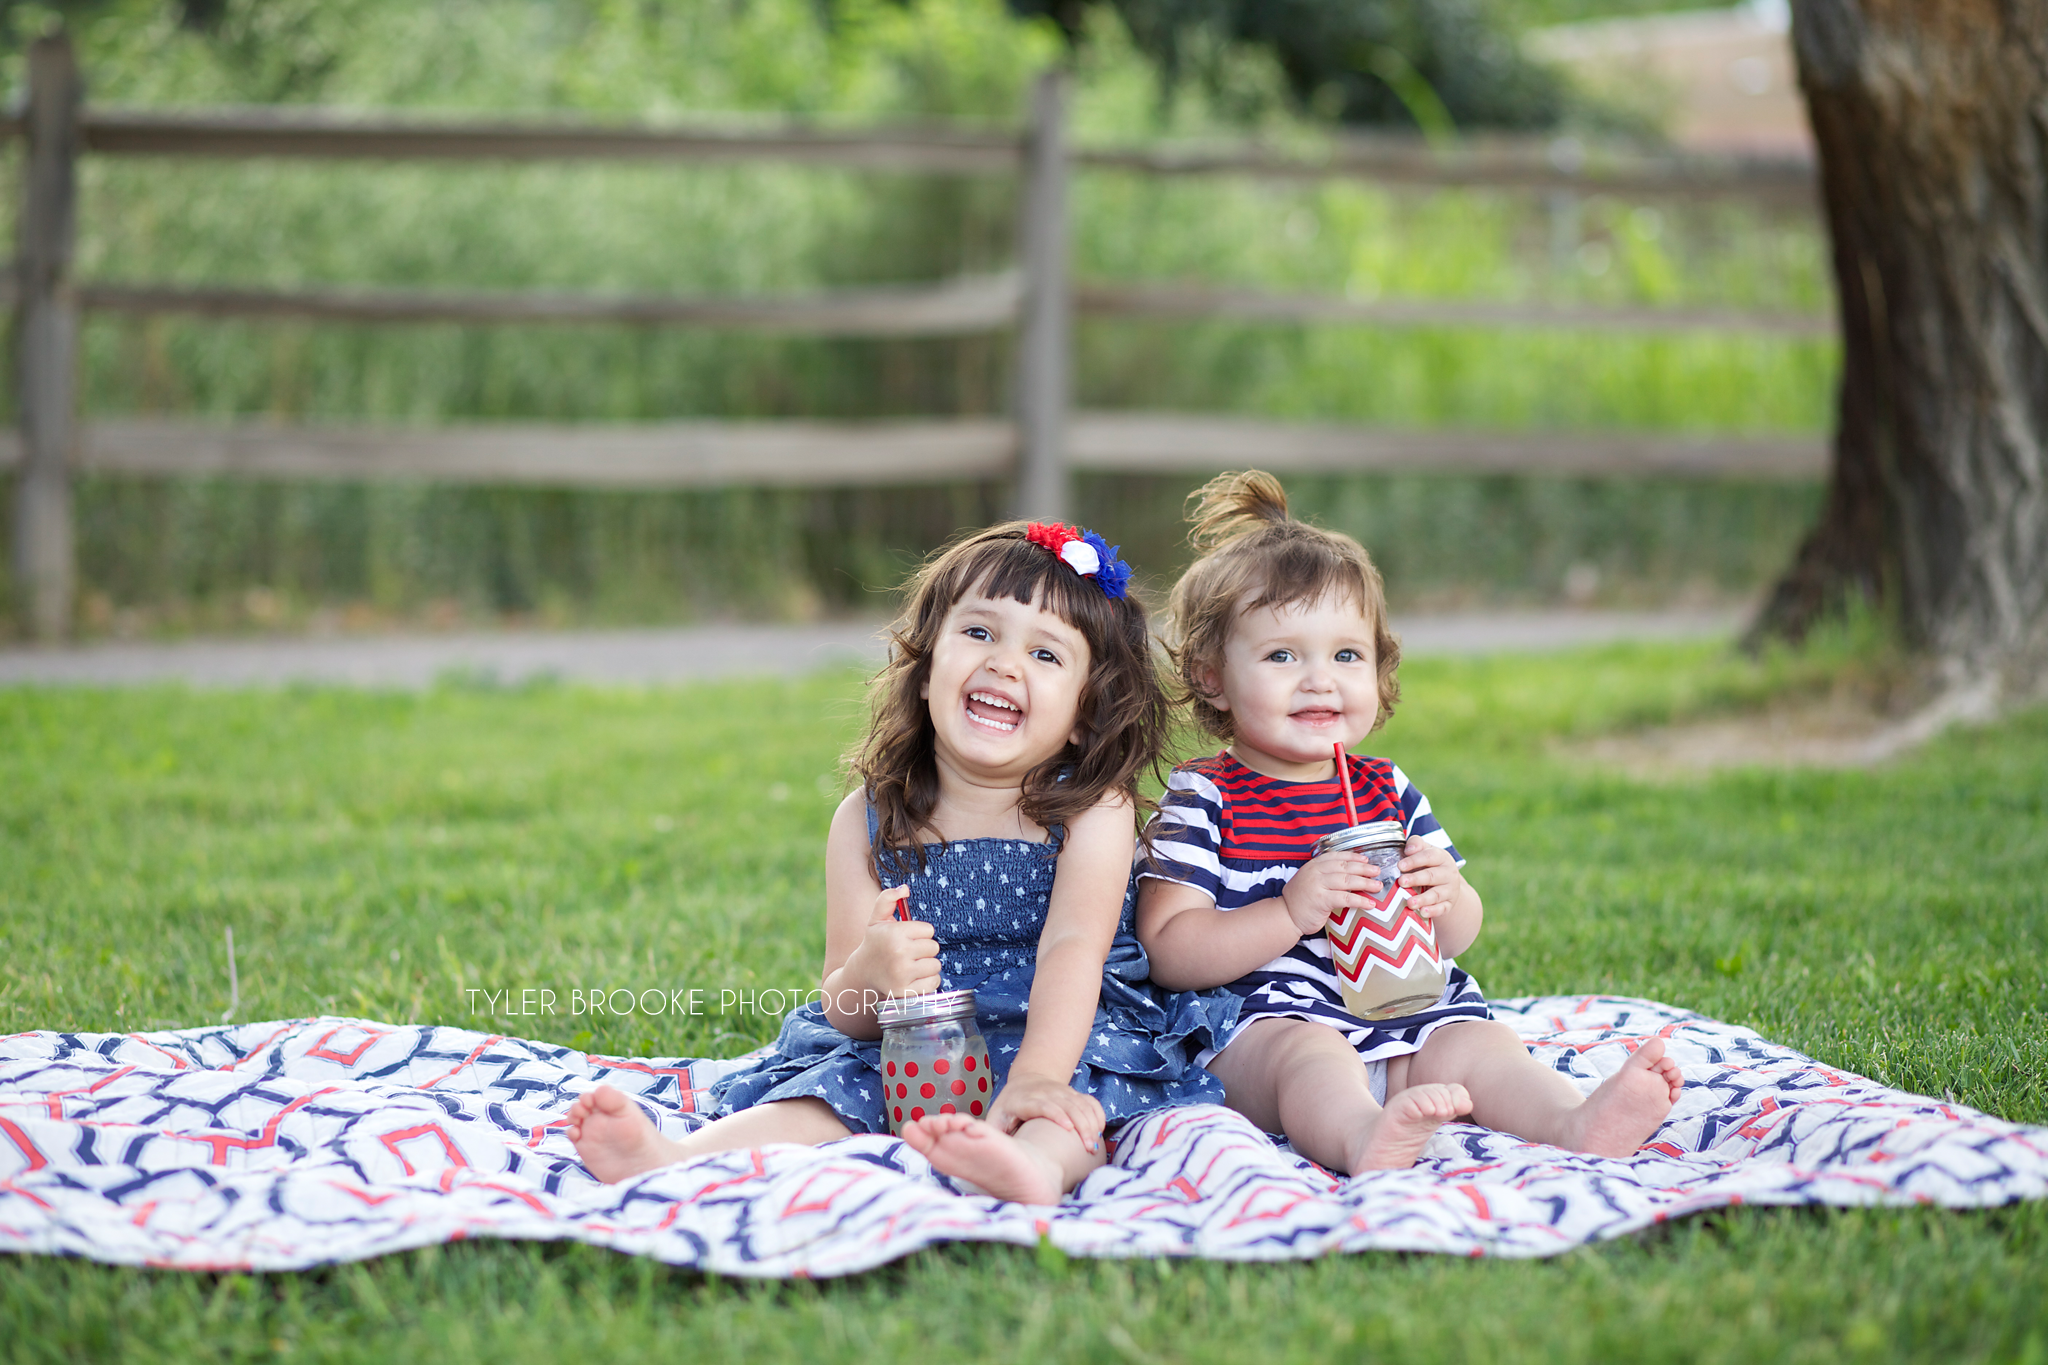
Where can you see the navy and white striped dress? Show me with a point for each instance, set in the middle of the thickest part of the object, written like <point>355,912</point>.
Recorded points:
<point>1238,836</point>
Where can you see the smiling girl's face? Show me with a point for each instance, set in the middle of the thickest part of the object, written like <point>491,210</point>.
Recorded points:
<point>1005,687</point>
<point>1295,680</point>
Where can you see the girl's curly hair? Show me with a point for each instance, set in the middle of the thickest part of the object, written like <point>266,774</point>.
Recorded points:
<point>1252,554</point>
<point>1123,716</point>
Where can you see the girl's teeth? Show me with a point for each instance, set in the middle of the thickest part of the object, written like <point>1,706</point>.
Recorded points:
<point>995,703</point>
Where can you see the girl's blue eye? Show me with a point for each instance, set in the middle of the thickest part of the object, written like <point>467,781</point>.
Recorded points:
<point>1348,656</point>
<point>1280,656</point>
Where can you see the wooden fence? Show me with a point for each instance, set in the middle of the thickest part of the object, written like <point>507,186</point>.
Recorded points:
<point>1037,449</point>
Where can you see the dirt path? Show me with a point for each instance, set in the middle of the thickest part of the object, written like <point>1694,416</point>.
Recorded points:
<point>687,653</point>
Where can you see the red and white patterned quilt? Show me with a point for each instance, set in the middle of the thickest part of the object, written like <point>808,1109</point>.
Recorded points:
<point>282,1145</point>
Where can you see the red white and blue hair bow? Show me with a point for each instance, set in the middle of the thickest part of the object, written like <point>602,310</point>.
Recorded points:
<point>1086,553</point>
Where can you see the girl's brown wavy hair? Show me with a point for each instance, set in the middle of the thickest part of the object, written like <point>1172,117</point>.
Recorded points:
<point>1253,554</point>
<point>1123,715</point>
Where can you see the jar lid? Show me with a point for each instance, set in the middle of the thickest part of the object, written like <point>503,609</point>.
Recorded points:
<point>1371,834</point>
<point>933,1007</point>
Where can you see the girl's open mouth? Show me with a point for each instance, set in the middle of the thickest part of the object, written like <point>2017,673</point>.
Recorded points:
<point>1316,716</point>
<point>988,709</point>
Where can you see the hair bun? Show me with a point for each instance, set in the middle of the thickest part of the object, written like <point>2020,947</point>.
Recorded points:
<point>1231,506</point>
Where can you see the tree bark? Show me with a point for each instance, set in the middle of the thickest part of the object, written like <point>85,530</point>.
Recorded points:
<point>1931,120</point>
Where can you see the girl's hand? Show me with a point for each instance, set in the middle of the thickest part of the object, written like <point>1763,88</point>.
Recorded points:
<point>895,957</point>
<point>1326,887</point>
<point>1432,879</point>
<point>1028,1096</point>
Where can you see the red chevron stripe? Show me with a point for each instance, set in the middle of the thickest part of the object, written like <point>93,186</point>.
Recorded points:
<point>1336,930</point>
<point>1408,926</point>
<point>1399,964</point>
<point>1397,960</point>
<point>1408,950</point>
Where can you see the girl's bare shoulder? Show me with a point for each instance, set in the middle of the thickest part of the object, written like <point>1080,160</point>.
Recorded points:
<point>1110,818</point>
<point>849,831</point>
<point>853,808</point>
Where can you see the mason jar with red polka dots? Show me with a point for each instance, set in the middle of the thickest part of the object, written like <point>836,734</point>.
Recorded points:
<point>934,1060</point>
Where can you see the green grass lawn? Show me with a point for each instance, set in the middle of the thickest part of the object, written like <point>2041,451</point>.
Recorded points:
<point>386,854</point>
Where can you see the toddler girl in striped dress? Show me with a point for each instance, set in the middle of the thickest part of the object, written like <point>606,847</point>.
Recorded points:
<point>1283,652</point>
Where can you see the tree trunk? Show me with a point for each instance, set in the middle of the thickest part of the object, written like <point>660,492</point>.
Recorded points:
<point>1931,119</point>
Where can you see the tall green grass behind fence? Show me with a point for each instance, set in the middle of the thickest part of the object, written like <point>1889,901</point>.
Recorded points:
<point>1458,541</point>
<point>224,554</point>
<point>176,553</point>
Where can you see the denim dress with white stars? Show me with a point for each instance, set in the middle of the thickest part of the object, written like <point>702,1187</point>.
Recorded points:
<point>986,900</point>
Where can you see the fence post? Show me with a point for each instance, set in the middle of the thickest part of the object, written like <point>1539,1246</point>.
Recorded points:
<point>1046,332</point>
<point>46,339</point>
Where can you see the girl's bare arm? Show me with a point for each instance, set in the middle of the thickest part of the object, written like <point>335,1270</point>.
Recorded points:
<point>868,953</point>
<point>1194,946</point>
<point>1080,925</point>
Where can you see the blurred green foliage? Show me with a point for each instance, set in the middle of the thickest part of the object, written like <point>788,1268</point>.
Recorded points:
<point>1437,64</point>
<point>182,554</point>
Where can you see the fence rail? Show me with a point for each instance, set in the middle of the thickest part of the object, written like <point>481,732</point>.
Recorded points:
<point>1524,163</point>
<point>1503,163</point>
<point>330,134</point>
<point>958,307</point>
<point>963,306</point>
<point>782,453</point>
<point>1192,301</point>
<point>1037,299</point>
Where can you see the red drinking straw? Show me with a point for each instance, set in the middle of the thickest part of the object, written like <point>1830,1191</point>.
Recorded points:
<point>1344,776</point>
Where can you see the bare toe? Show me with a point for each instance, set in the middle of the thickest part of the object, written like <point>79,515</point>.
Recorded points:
<point>1674,1079</point>
<point>996,1163</point>
<point>614,1138</point>
<point>1626,1110</point>
<point>924,1134</point>
<point>1404,1126</point>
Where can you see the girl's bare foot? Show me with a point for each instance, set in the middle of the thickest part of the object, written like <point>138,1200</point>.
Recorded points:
<point>614,1137</point>
<point>1398,1136</point>
<point>998,1164</point>
<point>1621,1115</point>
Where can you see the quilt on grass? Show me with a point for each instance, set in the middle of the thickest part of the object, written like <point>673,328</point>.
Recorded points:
<point>282,1145</point>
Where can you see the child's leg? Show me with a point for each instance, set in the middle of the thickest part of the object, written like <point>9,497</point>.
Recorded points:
<point>1305,1080</point>
<point>1034,1165</point>
<point>616,1140</point>
<point>1512,1092</point>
